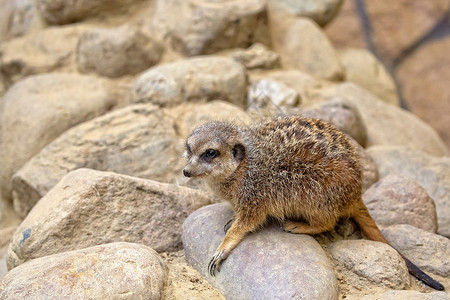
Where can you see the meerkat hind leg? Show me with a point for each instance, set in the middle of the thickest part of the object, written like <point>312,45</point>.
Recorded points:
<point>305,228</point>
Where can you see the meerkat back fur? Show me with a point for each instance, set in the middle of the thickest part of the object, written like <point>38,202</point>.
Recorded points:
<point>303,172</point>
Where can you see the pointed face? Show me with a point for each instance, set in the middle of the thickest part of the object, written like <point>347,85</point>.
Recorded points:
<point>212,153</point>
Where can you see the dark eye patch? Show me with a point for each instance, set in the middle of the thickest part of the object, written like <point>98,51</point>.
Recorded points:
<point>209,155</point>
<point>188,149</point>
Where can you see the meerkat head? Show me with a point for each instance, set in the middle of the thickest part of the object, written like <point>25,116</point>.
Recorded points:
<point>214,151</point>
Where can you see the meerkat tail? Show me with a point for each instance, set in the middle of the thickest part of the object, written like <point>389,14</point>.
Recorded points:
<point>371,231</point>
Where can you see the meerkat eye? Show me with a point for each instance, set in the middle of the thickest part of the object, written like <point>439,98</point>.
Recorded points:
<point>209,154</point>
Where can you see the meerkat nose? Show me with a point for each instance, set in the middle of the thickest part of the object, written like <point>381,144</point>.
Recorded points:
<point>187,173</point>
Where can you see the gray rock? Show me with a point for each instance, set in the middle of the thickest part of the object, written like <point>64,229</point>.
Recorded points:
<point>407,295</point>
<point>363,68</point>
<point>321,11</point>
<point>88,208</point>
<point>64,12</point>
<point>115,52</point>
<point>429,251</point>
<point>432,173</point>
<point>112,271</point>
<point>267,264</point>
<point>386,123</point>
<point>398,200</point>
<point>39,53</point>
<point>196,79</point>
<point>138,140</point>
<point>206,26</point>
<point>38,109</point>
<point>312,53</point>
<point>270,94</point>
<point>376,262</point>
<point>257,56</point>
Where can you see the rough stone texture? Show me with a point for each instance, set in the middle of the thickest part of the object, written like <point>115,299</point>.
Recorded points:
<point>88,208</point>
<point>301,82</point>
<point>196,79</point>
<point>424,80</point>
<point>112,271</point>
<point>432,173</point>
<point>407,295</point>
<point>321,11</point>
<point>369,168</point>
<point>115,52</point>
<point>399,200</point>
<point>259,268</point>
<point>5,17</point>
<point>206,26</point>
<point>38,53</point>
<point>376,262</point>
<point>270,94</point>
<point>429,251</point>
<point>312,53</point>
<point>38,109</point>
<point>138,140</point>
<point>345,29</point>
<point>386,123</point>
<point>362,68</point>
<point>257,56</point>
<point>64,12</point>
<point>189,116</point>
<point>401,23</point>
<point>342,114</point>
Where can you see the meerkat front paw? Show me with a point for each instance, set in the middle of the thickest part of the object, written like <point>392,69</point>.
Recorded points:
<point>216,261</point>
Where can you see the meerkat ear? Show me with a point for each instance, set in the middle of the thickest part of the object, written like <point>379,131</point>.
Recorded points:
<point>239,152</point>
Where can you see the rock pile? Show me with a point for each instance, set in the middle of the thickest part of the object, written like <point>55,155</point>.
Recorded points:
<point>93,119</point>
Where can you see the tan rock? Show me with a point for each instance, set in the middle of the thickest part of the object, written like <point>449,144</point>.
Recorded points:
<point>88,208</point>
<point>138,140</point>
<point>362,68</point>
<point>432,173</point>
<point>207,26</point>
<point>387,124</point>
<point>321,11</point>
<point>64,12</point>
<point>397,25</point>
<point>38,109</point>
<point>271,94</point>
<point>377,263</point>
<point>115,52</point>
<point>424,80</point>
<point>256,56</point>
<point>39,52</point>
<point>407,295</point>
<point>312,53</point>
<point>111,271</point>
<point>345,29</point>
<point>398,200</point>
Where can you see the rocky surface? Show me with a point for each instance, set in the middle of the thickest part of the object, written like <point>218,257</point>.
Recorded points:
<point>38,109</point>
<point>196,79</point>
<point>429,251</point>
<point>432,173</point>
<point>117,51</point>
<point>165,67</point>
<point>407,295</point>
<point>258,268</point>
<point>397,200</point>
<point>103,207</point>
<point>69,275</point>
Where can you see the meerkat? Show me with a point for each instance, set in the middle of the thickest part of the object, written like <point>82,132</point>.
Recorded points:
<point>305,173</point>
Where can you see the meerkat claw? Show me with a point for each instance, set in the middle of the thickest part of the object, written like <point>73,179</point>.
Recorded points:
<point>215,262</point>
<point>228,225</point>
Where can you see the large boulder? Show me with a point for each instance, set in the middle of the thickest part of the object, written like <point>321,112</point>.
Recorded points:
<point>302,45</point>
<point>115,52</point>
<point>138,140</point>
<point>206,26</point>
<point>111,271</point>
<point>261,266</point>
<point>432,173</point>
<point>38,109</point>
<point>399,200</point>
<point>88,208</point>
<point>385,123</point>
<point>196,79</point>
